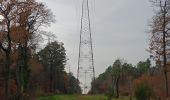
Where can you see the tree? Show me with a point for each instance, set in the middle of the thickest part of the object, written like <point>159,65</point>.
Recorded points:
<point>8,14</point>
<point>103,82</point>
<point>113,78</point>
<point>21,22</point>
<point>31,18</point>
<point>144,67</point>
<point>53,58</point>
<point>116,75</point>
<point>73,86</point>
<point>160,38</point>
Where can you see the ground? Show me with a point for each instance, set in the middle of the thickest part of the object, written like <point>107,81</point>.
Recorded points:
<point>78,97</point>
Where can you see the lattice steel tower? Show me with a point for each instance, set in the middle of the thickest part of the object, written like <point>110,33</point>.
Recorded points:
<point>86,72</point>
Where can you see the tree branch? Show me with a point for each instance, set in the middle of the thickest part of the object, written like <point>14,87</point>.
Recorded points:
<point>1,47</point>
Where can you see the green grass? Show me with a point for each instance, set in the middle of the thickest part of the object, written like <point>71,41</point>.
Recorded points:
<point>78,97</point>
<point>59,97</point>
<point>91,97</point>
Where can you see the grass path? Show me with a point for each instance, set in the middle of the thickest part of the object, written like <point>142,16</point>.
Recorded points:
<point>78,97</point>
<point>91,97</point>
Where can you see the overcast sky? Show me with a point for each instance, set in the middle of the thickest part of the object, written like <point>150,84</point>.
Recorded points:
<point>119,29</point>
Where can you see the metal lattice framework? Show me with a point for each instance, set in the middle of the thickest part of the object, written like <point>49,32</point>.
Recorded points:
<point>86,72</point>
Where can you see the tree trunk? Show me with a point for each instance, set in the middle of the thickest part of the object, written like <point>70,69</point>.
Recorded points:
<point>7,77</point>
<point>165,72</point>
<point>164,50</point>
<point>7,69</point>
<point>22,73</point>
<point>26,68</point>
<point>166,83</point>
<point>112,88</point>
<point>54,78</point>
<point>51,79</point>
<point>117,87</point>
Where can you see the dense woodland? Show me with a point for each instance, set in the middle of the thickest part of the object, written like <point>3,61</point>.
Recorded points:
<point>27,73</point>
<point>122,79</point>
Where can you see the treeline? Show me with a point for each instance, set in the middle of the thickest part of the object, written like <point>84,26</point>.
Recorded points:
<point>123,79</point>
<point>46,74</point>
<point>54,77</point>
<point>23,71</point>
<point>144,82</point>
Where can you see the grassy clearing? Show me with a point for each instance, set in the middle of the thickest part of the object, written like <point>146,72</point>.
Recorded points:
<point>78,97</point>
<point>91,97</point>
<point>59,97</point>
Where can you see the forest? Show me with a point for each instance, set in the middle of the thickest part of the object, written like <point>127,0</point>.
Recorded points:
<point>24,72</point>
<point>30,73</point>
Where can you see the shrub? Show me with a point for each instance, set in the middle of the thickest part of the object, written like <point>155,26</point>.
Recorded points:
<point>39,92</point>
<point>110,93</point>
<point>143,92</point>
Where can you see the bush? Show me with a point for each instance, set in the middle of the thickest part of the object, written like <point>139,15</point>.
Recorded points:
<point>110,93</point>
<point>143,92</point>
<point>39,92</point>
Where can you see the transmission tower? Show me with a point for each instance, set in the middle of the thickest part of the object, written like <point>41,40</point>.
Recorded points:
<point>85,60</point>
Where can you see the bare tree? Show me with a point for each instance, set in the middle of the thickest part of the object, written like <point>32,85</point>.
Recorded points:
<point>160,36</point>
